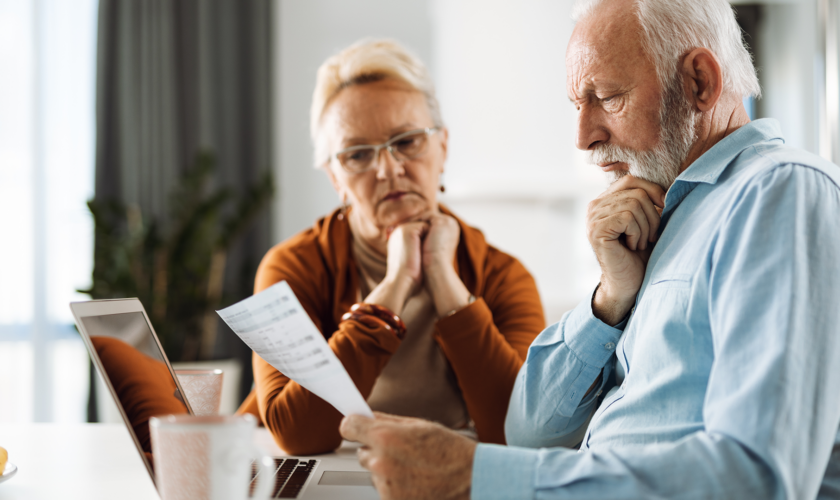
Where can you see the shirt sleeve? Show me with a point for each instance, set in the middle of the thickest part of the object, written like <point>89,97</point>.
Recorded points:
<point>772,408</point>
<point>549,405</point>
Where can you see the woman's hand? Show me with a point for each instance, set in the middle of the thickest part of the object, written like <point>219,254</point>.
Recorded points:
<point>405,253</point>
<point>423,253</point>
<point>405,267</point>
<point>443,283</point>
<point>441,242</point>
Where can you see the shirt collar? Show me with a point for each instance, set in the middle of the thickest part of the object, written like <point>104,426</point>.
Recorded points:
<point>709,167</point>
<point>714,162</point>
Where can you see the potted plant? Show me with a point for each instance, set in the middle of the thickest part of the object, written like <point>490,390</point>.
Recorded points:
<point>177,272</point>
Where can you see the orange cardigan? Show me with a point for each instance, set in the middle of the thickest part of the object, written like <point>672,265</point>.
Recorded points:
<point>485,343</point>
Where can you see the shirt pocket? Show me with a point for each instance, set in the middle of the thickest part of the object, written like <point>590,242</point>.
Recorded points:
<point>661,281</point>
<point>660,316</point>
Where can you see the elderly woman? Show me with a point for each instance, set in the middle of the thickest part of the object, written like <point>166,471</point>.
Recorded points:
<point>428,319</point>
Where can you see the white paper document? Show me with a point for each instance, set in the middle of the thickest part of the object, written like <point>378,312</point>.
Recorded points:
<point>275,326</point>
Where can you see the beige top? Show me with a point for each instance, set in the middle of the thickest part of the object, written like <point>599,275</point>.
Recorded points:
<point>418,380</point>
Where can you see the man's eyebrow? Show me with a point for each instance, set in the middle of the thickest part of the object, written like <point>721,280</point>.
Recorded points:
<point>607,88</point>
<point>583,93</point>
<point>583,96</point>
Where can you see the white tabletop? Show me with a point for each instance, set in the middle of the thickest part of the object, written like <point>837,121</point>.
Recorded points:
<point>83,461</point>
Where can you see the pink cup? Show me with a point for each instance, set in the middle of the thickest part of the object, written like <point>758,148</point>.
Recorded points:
<point>208,458</point>
<point>203,390</point>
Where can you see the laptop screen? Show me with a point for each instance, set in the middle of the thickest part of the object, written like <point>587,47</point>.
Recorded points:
<point>131,359</point>
<point>130,328</point>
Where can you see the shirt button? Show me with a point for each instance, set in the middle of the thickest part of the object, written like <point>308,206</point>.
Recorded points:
<point>609,346</point>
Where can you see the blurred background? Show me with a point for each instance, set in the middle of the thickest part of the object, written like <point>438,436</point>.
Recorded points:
<point>159,148</point>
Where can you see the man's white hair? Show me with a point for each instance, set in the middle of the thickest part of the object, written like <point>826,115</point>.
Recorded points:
<point>367,60</point>
<point>672,28</point>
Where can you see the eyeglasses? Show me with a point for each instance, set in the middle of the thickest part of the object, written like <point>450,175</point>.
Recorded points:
<point>406,146</point>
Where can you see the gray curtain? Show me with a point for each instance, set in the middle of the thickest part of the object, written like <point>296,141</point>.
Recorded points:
<point>175,77</point>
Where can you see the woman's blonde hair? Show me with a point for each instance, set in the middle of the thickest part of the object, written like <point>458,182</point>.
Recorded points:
<point>368,60</point>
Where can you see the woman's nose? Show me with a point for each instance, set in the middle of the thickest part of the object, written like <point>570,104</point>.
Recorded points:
<point>387,165</point>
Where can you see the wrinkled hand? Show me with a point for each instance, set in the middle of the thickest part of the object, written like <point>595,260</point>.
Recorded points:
<point>404,274</point>
<point>441,241</point>
<point>621,225</point>
<point>412,458</point>
<point>441,280</point>
<point>405,257</point>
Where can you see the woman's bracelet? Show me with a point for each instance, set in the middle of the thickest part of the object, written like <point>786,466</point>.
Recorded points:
<point>367,320</point>
<point>391,321</point>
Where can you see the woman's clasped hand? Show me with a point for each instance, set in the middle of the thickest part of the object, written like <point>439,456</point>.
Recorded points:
<point>421,253</point>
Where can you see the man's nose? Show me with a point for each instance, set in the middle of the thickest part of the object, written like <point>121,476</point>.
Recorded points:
<point>387,166</point>
<point>590,132</point>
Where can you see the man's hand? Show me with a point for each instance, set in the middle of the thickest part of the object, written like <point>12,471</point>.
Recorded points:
<point>412,458</point>
<point>621,225</point>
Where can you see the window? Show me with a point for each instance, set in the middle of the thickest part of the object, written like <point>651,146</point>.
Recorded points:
<point>47,134</point>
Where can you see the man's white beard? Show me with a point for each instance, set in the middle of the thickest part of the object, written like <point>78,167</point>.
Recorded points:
<point>660,165</point>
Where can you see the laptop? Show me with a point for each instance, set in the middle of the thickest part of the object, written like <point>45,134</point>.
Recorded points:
<point>128,356</point>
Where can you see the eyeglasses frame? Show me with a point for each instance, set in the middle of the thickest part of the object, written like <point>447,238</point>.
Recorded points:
<point>377,148</point>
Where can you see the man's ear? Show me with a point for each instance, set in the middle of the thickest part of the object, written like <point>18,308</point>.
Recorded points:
<point>704,78</point>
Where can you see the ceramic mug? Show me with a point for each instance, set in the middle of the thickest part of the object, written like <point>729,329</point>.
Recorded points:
<point>203,390</point>
<point>208,458</point>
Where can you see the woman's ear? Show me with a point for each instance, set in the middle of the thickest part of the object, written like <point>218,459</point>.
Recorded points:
<point>336,183</point>
<point>444,143</point>
<point>704,77</point>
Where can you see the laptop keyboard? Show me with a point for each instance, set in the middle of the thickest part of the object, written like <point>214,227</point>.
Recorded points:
<point>290,475</point>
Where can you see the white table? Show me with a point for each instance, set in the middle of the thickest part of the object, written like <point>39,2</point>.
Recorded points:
<point>90,462</point>
<point>84,461</point>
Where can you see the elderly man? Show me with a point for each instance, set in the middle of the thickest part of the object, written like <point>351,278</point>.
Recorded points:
<point>707,362</point>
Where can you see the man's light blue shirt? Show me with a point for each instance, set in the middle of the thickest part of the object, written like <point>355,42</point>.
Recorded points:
<point>725,380</point>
